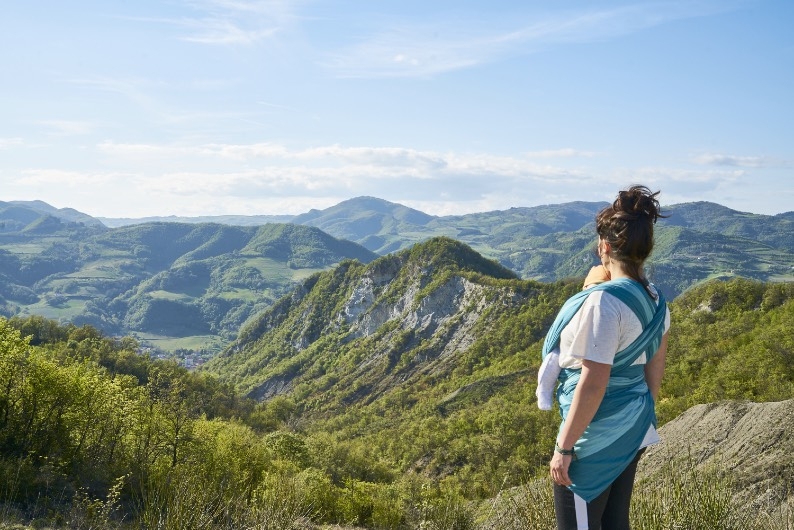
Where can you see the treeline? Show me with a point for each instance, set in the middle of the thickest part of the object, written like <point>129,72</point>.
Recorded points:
<point>730,340</point>
<point>95,435</point>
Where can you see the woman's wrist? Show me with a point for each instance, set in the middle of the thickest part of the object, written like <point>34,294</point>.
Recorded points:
<point>564,451</point>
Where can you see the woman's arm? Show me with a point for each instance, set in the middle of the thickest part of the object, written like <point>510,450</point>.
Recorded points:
<point>586,399</point>
<point>654,370</point>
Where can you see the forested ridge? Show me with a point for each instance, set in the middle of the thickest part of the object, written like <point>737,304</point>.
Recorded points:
<point>187,285</point>
<point>380,419</point>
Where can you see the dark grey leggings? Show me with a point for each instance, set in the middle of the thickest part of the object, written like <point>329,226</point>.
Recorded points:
<point>608,511</point>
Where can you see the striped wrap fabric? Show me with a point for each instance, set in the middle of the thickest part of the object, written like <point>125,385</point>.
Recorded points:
<point>617,430</point>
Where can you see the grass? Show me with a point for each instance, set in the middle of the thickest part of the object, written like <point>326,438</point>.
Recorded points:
<point>33,248</point>
<point>276,271</point>
<point>103,268</point>
<point>247,295</point>
<point>193,342</point>
<point>679,497</point>
<point>170,295</point>
<point>66,311</point>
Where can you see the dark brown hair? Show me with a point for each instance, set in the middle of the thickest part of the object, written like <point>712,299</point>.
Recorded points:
<point>627,225</point>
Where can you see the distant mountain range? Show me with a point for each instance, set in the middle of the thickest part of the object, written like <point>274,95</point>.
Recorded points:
<point>192,282</point>
<point>174,285</point>
<point>700,240</point>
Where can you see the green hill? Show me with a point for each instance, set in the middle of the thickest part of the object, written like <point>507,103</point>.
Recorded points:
<point>174,285</point>
<point>379,225</point>
<point>429,361</point>
<point>33,209</point>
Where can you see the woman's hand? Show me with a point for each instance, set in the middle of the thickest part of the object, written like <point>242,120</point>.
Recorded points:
<point>559,469</point>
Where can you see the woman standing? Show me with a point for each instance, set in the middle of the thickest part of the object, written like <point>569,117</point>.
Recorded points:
<point>608,343</point>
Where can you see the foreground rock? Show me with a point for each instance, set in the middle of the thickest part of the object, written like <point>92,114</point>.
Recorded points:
<point>752,443</point>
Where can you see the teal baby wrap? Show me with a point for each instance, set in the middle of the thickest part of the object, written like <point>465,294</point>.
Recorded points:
<point>615,434</point>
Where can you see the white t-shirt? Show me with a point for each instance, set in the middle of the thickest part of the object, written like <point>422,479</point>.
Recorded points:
<point>602,327</point>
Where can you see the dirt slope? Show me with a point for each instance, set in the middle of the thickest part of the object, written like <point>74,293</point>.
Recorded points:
<point>753,442</point>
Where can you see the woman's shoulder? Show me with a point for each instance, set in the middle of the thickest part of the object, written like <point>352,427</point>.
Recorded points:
<point>613,304</point>
<point>605,303</point>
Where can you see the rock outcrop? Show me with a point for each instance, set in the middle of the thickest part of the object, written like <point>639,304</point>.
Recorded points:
<point>753,443</point>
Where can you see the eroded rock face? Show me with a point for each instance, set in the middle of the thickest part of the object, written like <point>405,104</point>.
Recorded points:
<point>754,442</point>
<point>366,312</point>
<point>365,329</point>
<point>271,388</point>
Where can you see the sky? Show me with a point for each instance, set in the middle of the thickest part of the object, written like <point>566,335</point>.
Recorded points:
<point>254,107</point>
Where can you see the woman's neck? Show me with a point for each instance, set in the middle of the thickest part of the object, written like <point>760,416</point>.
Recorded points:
<point>617,270</point>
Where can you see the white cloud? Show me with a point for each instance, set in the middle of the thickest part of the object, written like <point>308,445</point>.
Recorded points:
<point>269,178</point>
<point>68,127</point>
<point>9,143</point>
<point>66,179</point>
<point>561,153</point>
<point>684,175</point>
<point>350,164</point>
<point>236,22</point>
<point>440,46</point>
<point>713,159</point>
<point>227,178</point>
<point>214,31</point>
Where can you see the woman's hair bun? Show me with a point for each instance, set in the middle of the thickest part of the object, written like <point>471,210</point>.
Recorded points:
<point>637,201</point>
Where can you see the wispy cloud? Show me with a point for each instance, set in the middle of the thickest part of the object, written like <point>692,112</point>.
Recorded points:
<point>135,89</point>
<point>438,47</point>
<point>68,127</point>
<point>366,163</point>
<point>255,172</point>
<point>9,143</point>
<point>683,175</point>
<point>712,159</point>
<point>67,178</point>
<point>203,179</point>
<point>235,22</point>
<point>219,31</point>
<point>561,153</point>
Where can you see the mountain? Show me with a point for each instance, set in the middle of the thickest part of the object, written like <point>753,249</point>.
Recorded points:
<point>175,285</point>
<point>447,436</point>
<point>378,225</point>
<point>385,227</point>
<point>29,209</point>
<point>776,231</point>
<point>423,293</point>
<point>67,265</point>
<point>235,220</point>
<point>697,242</point>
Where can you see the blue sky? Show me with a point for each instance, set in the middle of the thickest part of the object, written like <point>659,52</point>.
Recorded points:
<point>209,107</point>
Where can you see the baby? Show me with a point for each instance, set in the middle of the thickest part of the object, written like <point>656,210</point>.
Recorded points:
<point>550,368</point>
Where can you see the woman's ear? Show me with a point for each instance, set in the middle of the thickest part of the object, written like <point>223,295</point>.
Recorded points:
<point>603,247</point>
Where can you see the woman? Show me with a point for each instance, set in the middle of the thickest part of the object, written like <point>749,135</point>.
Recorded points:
<point>609,343</point>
